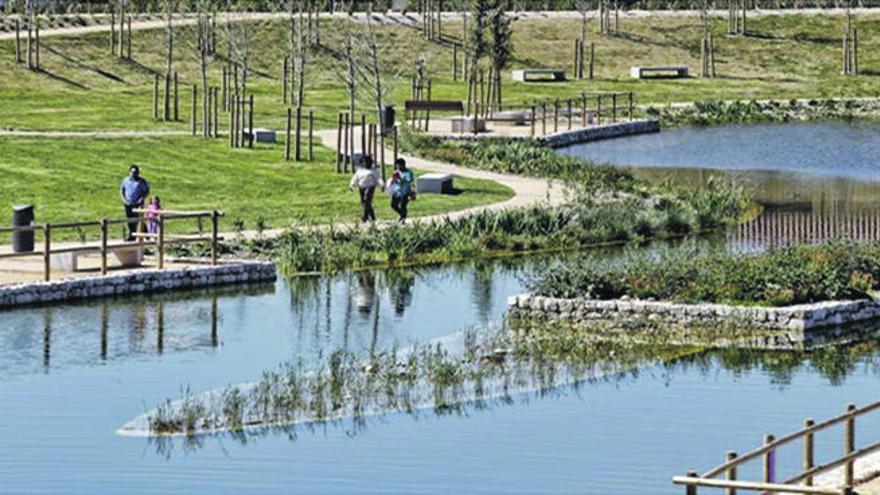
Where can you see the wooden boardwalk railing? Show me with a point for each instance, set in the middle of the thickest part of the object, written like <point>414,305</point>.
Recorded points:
<point>161,239</point>
<point>800,483</point>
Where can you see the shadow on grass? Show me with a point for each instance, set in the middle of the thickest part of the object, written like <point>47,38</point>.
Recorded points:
<point>56,77</point>
<point>78,64</point>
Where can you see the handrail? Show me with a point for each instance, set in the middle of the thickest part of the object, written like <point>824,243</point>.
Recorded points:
<point>835,463</point>
<point>159,239</point>
<point>753,486</point>
<point>790,438</point>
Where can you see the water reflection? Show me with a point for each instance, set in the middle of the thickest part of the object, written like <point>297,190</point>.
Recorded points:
<point>559,376</point>
<point>143,326</point>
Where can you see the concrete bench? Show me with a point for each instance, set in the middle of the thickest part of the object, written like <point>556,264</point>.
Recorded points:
<point>517,118</point>
<point>524,75</point>
<point>438,183</point>
<point>679,71</point>
<point>466,124</point>
<point>128,257</point>
<point>261,135</point>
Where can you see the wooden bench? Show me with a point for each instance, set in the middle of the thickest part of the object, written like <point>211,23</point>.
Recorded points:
<point>523,75</point>
<point>438,183</point>
<point>434,106</point>
<point>678,71</point>
<point>129,255</point>
<point>516,117</point>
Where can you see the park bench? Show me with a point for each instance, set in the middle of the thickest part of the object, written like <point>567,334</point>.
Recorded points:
<point>524,75</point>
<point>437,183</point>
<point>129,255</point>
<point>679,71</point>
<point>261,135</point>
<point>516,117</point>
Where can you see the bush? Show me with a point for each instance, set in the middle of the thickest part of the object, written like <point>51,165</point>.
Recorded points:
<point>793,275</point>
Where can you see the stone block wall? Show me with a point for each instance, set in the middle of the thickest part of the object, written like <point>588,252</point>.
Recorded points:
<point>136,282</point>
<point>788,326</point>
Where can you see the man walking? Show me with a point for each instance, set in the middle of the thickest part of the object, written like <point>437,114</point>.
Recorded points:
<point>133,191</point>
<point>366,179</point>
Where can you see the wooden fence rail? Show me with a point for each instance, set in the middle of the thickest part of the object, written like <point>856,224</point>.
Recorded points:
<point>160,239</point>
<point>802,482</point>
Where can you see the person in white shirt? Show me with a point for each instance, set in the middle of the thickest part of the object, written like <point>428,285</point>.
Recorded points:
<point>366,179</point>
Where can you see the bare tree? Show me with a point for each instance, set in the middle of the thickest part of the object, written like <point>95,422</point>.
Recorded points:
<point>170,7</point>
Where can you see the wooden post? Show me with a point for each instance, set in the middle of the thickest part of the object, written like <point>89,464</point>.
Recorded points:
<point>121,27</point>
<point>17,40</point>
<point>214,229</point>
<point>311,134</point>
<point>37,40</point>
<point>208,117</point>
<point>455,62</point>
<point>476,118</point>
<point>231,127</point>
<point>532,120</point>
<point>614,108</point>
<point>731,473</point>
<point>363,135</point>
<point>556,115</point>
<point>225,89</point>
<point>284,81</point>
<point>345,146</point>
<point>543,118</point>
<point>855,51</point>
<point>287,134</point>
<point>103,246</point>
<point>809,461</point>
<point>428,112</point>
<point>298,138</point>
<point>195,96</point>
<point>161,242</point>
<point>128,40</point>
<point>251,121</point>
<point>569,114</point>
<point>631,106</point>
<point>47,250</point>
<point>112,31</point>
<point>216,111</point>
<point>769,461</point>
<point>849,445</point>
<point>599,109</point>
<point>338,144</point>
<point>176,99</point>
<point>583,110</point>
<point>370,141</point>
<point>156,97</point>
<point>689,489</point>
<point>592,58</point>
<point>395,144</point>
<point>577,44</point>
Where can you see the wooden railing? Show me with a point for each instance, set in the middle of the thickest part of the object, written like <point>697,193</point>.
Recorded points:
<point>584,110</point>
<point>801,483</point>
<point>161,239</point>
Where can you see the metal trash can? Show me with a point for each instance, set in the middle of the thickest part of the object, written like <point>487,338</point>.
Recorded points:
<point>23,216</point>
<point>388,118</point>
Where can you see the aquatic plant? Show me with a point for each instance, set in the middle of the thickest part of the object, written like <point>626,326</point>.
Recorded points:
<point>716,112</point>
<point>836,270</point>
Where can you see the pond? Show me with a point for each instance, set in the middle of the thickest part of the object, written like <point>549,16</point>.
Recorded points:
<point>71,374</point>
<point>815,179</point>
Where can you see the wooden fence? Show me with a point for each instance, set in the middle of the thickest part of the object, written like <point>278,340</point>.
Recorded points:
<point>161,239</point>
<point>800,483</point>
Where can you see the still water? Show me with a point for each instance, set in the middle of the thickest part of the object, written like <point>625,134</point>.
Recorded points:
<point>71,374</point>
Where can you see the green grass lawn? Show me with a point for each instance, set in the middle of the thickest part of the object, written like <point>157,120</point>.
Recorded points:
<point>84,87</point>
<point>78,179</point>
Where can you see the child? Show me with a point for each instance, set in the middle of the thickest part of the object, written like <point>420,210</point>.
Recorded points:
<point>152,215</point>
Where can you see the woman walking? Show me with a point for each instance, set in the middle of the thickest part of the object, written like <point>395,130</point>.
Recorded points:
<point>366,179</point>
<point>401,189</point>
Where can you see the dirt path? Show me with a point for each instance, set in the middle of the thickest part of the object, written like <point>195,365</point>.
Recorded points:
<point>414,20</point>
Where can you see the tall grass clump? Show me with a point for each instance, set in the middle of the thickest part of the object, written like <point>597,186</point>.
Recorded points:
<point>839,270</point>
<point>717,112</point>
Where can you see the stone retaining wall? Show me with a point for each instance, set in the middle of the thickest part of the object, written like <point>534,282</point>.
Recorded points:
<point>803,324</point>
<point>585,135</point>
<point>137,282</point>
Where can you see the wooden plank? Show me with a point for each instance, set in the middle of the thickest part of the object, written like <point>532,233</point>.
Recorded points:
<point>753,486</point>
<point>434,105</point>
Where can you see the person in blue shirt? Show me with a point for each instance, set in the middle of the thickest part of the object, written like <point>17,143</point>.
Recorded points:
<point>133,191</point>
<point>401,189</point>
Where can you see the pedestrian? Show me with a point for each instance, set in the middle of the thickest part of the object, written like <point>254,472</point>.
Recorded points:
<point>401,189</point>
<point>133,191</point>
<point>154,209</point>
<point>366,179</point>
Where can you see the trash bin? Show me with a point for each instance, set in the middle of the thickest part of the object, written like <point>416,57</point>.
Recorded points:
<point>388,117</point>
<point>22,216</point>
